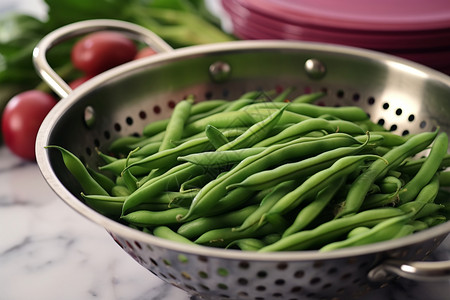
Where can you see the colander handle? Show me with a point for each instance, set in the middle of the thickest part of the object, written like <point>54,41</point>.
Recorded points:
<point>56,83</point>
<point>419,270</point>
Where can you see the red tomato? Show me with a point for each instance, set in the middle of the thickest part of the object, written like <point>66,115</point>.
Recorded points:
<point>21,119</point>
<point>144,52</point>
<point>77,82</point>
<point>103,50</point>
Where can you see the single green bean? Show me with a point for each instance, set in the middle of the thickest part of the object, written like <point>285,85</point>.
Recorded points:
<point>297,130</point>
<point>288,117</point>
<point>168,234</point>
<point>309,98</point>
<point>79,172</point>
<point>109,206</point>
<point>412,166</point>
<point>147,218</point>
<point>147,150</point>
<point>116,167</point>
<point>106,183</point>
<point>215,136</point>
<point>383,231</point>
<point>255,133</point>
<point>176,125</point>
<point>222,237</point>
<point>123,145</point>
<point>283,95</point>
<point>248,244</point>
<point>267,202</point>
<point>155,127</point>
<point>196,182</point>
<point>119,191</point>
<point>222,158</point>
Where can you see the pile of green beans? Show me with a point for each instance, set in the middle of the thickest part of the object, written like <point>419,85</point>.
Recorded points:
<point>262,173</point>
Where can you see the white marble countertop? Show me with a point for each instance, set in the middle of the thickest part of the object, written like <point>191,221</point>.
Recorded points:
<point>48,251</point>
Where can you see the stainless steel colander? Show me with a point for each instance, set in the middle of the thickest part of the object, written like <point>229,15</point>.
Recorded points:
<point>401,95</point>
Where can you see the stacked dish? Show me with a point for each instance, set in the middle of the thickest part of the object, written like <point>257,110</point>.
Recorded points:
<point>406,28</point>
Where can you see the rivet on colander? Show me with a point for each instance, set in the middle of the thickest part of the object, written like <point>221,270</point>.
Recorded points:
<point>220,71</point>
<point>89,116</point>
<point>315,69</point>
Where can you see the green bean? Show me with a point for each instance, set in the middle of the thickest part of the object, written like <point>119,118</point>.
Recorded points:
<point>105,158</point>
<point>390,184</point>
<point>383,231</point>
<point>231,119</point>
<point>308,98</point>
<point>295,170</point>
<point>297,130</point>
<point>120,190</point>
<point>116,167</point>
<point>221,158</point>
<point>196,182</point>
<point>332,230</point>
<point>255,133</point>
<point>379,168</point>
<point>165,182</point>
<point>214,110</point>
<point>347,127</point>
<point>147,218</point>
<point>131,182</point>
<point>318,181</point>
<point>177,199</point>
<point>248,244</point>
<point>168,158</point>
<point>308,213</point>
<point>238,104</point>
<point>224,236</point>
<point>390,139</point>
<point>348,113</point>
<point>256,94</point>
<point>105,182</point>
<point>109,206</point>
<point>177,122</point>
<point>412,166</point>
<point>267,202</point>
<point>155,127</point>
<point>207,105</point>
<point>288,117</point>
<point>197,227</point>
<point>168,234</point>
<point>147,150</point>
<point>283,95</point>
<point>427,170</point>
<point>215,136</point>
<point>271,156</point>
<point>123,145</point>
<point>444,178</point>
<point>79,172</point>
